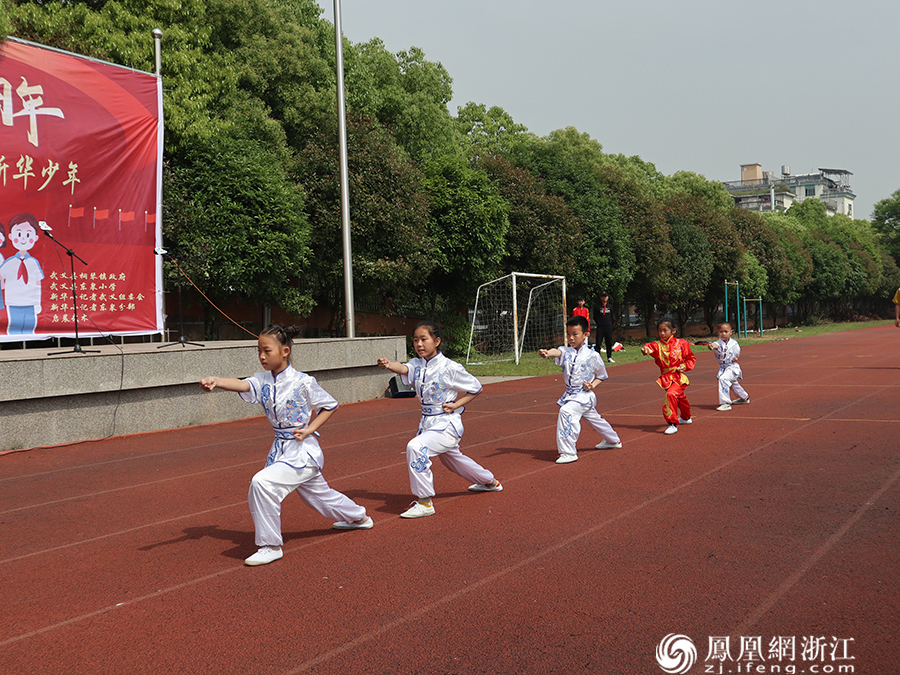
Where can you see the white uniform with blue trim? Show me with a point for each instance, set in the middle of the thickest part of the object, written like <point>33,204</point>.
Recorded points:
<point>439,380</point>
<point>289,399</point>
<point>580,366</point>
<point>729,370</point>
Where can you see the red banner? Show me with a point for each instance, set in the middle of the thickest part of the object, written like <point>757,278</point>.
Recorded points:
<point>80,171</point>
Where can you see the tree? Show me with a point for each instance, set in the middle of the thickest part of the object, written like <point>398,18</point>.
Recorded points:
<point>407,94</point>
<point>237,226</point>
<point>468,222</point>
<point>729,260</point>
<point>767,250</point>
<point>712,192</point>
<point>799,270</point>
<point>392,250</point>
<point>571,165</point>
<point>690,276</point>
<point>655,258</point>
<point>544,234</point>
<point>886,221</point>
<point>489,131</point>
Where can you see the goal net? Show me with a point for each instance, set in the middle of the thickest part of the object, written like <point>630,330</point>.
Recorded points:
<point>516,314</point>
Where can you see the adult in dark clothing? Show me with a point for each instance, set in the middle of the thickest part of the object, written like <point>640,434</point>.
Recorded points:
<point>603,324</point>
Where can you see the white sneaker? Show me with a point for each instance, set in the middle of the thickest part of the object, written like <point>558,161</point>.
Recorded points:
<point>264,556</point>
<point>486,487</point>
<point>724,406</point>
<point>610,360</point>
<point>416,510</point>
<point>672,429</point>
<point>741,401</point>
<point>606,445</point>
<point>689,420</point>
<point>365,524</point>
<point>567,459</point>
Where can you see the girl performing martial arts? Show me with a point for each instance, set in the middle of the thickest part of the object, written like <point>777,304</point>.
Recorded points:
<point>444,388</point>
<point>296,407</point>
<point>674,358</point>
<point>727,353</point>
<point>583,371</point>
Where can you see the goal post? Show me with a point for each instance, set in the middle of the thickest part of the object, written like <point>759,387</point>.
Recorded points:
<point>516,313</point>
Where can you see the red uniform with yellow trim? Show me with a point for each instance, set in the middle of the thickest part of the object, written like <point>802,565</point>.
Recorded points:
<point>668,356</point>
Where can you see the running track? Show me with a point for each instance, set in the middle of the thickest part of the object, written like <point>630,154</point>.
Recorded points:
<point>775,519</point>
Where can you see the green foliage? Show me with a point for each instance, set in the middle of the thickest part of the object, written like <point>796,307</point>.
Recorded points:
<point>468,224</point>
<point>572,166</point>
<point>5,23</point>
<point>544,235</point>
<point>389,215</point>
<point>237,225</point>
<point>489,131</point>
<point>729,260</point>
<point>645,224</point>
<point>407,94</point>
<point>691,274</point>
<point>756,284</point>
<point>810,213</point>
<point>886,221</point>
<point>767,249</point>
<point>798,271</point>
<point>713,193</point>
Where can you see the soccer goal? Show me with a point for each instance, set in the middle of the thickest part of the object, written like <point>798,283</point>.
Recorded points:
<point>515,314</point>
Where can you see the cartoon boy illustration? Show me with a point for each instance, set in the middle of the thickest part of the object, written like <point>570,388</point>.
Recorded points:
<point>21,275</point>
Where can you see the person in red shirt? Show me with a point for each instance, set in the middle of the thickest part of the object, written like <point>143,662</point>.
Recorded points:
<point>581,310</point>
<point>674,358</point>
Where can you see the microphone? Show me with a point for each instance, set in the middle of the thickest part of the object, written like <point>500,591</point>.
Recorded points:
<point>160,251</point>
<point>44,226</point>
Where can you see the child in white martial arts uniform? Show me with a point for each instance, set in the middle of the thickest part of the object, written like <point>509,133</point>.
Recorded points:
<point>727,352</point>
<point>583,371</point>
<point>295,459</point>
<point>444,388</point>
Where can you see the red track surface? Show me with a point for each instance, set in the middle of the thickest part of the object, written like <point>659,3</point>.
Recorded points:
<point>775,519</point>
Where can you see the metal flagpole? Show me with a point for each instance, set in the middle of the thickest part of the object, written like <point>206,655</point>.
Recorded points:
<point>345,174</point>
<point>157,50</point>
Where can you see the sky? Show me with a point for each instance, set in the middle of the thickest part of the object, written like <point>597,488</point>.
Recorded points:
<point>696,85</point>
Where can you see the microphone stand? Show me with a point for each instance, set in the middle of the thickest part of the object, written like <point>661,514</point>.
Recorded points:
<point>181,340</point>
<point>72,255</point>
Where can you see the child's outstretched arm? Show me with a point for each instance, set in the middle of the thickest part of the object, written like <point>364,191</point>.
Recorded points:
<point>549,353</point>
<point>393,366</point>
<point>226,383</point>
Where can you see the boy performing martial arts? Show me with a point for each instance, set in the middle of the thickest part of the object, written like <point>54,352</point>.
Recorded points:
<point>727,353</point>
<point>583,371</point>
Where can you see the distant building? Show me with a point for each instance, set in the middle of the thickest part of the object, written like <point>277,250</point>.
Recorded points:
<point>759,190</point>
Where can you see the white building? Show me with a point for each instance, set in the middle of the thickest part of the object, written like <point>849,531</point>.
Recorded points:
<point>759,190</point>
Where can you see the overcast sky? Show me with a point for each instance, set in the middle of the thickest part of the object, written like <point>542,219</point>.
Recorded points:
<point>696,85</point>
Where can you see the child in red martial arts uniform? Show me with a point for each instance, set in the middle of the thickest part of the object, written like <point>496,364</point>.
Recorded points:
<point>674,357</point>
<point>581,310</point>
